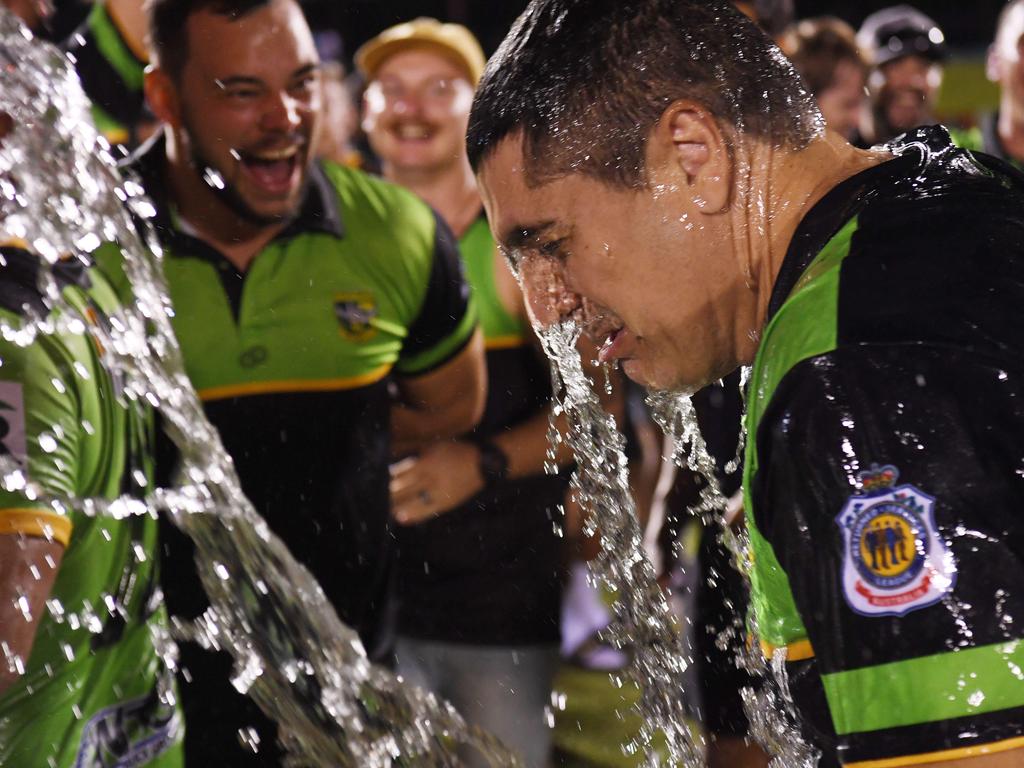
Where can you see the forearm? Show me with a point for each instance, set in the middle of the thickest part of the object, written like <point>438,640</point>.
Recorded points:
<point>442,404</point>
<point>28,568</point>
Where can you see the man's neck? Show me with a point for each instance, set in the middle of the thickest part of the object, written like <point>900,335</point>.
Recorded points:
<point>1010,127</point>
<point>451,191</point>
<point>792,183</point>
<point>210,218</point>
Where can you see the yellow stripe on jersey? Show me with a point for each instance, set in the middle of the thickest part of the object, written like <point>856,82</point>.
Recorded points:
<point>40,523</point>
<point>799,650</point>
<point>943,755</point>
<point>292,385</point>
<point>505,342</point>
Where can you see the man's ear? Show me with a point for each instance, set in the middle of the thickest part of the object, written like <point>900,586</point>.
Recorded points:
<point>687,138</point>
<point>162,96</point>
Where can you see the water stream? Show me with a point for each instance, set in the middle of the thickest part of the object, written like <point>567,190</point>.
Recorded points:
<point>62,194</point>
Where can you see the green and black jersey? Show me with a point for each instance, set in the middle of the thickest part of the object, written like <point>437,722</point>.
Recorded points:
<point>293,361</point>
<point>89,696</point>
<point>883,476</point>
<point>111,74</point>
<point>489,571</point>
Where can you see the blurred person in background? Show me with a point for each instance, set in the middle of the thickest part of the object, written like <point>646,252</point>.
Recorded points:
<point>907,50</point>
<point>479,560</point>
<point>341,117</point>
<point>1001,133</point>
<point>314,305</point>
<point>33,13</point>
<point>109,54</point>
<point>773,16</point>
<point>825,53</point>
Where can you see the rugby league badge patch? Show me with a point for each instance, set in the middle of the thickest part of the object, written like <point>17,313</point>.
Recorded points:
<point>894,560</point>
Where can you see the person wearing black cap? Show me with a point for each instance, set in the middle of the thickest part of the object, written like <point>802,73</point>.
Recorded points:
<point>907,50</point>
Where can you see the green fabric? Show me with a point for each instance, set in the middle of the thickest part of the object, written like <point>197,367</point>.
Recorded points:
<point>78,440</point>
<point>594,718</point>
<point>968,138</point>
<point>114,49</point>
<point>288,334</point>
<point>927,689</point>
<point>477,248</point>
<point>804,327</point>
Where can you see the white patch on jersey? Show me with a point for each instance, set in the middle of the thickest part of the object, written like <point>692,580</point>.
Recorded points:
<point>894,560</point>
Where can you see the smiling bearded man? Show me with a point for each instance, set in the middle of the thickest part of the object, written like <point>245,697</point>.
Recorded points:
<point>316,308</point>
<point>656,172</point>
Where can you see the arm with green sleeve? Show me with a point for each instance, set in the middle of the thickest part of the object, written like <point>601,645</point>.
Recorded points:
<point>889,486</point>
<point>37,404</point>
<point>110,58</point>
<point>442,374</point>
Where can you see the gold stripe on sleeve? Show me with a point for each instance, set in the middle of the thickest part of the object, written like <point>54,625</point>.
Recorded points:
<point>41,523</point>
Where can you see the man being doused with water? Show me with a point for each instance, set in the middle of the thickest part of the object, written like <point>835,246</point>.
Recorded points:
<point>314,306</point>
<point>81,683</point>
<point>655,172</point>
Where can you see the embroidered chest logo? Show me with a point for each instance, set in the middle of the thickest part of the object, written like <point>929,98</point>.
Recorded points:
<point>894,560</point>
<point>356,312</point>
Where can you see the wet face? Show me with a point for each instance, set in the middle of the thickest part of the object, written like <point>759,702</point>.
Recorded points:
<point>1006,60</point>
<point>648,274</point>
<point>905,91</point>
<point>250,105</point>
<point>842,103</point>
<point>416,110</point>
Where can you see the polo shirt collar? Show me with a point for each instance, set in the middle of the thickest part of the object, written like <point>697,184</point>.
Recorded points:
<point>319,210</point>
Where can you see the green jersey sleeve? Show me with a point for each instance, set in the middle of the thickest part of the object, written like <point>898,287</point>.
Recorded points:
<point>447,317</point>
<point>41,432</point>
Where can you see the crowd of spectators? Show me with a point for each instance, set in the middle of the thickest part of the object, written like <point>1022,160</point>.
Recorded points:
<point>410,467</point>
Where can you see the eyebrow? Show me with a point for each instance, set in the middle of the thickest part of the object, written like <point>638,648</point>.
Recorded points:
<point>228,82</point>
<point>520,236</point>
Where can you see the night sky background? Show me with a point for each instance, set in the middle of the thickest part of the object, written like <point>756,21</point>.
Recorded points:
<point>968,26</point>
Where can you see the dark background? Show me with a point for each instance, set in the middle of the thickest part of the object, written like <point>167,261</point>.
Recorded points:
<point>968,26</point>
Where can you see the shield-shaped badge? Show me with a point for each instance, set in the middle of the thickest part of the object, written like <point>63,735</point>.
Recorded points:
<point>894,560</point>
<point>356,312</point>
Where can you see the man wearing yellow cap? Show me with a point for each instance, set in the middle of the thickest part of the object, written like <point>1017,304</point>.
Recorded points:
<point>478,559</point>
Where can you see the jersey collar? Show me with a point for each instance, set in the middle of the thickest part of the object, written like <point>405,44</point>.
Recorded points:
<point>845,200</point>
<point>320,210</point>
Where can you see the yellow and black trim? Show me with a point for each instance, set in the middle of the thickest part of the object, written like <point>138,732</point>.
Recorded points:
<point>247,389</point>
<point>37,523</point>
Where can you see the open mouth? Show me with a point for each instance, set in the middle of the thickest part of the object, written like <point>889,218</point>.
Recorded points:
<point>611,349</point>
<point>413,132</point>
<point>273,170</point>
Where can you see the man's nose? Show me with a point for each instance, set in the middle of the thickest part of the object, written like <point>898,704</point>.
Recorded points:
<point>548,300</point>
<point>282,113</point>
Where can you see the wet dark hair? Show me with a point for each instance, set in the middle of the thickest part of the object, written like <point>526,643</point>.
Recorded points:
<point>168,39</point>
<point>585,82</point>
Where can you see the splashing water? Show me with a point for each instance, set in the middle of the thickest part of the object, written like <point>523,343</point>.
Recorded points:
<point>769,707</point>
<point>292,654</point>
<point>643,619</point>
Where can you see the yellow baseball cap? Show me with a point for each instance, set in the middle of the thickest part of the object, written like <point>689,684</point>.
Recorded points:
<point>452,40</point>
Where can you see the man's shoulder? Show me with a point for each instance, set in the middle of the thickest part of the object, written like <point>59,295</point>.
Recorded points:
<point>370,201</point>
<point>940,262</point>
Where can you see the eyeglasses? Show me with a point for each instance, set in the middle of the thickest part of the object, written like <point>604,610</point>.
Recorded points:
<point>435,92</point>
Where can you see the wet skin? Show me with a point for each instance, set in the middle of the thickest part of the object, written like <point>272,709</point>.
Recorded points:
<point>416,110</point>
<point>672,278</point>
<point>247,105</point>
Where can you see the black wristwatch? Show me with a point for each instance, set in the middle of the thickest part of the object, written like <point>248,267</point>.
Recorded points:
<point>493,463</point>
